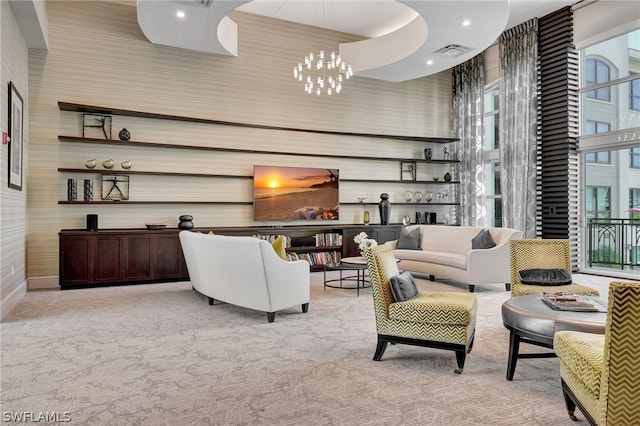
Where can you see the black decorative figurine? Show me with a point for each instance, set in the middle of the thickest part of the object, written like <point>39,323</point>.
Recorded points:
<point>124,135</point>
<point>186,222</point>
<point>447,177</point>
<point>385,208</point>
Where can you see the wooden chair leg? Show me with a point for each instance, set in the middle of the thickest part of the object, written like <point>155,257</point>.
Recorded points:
<point>472,288</point>
<point>514,347</point>
<point>305,308</point>
<point>271,316</point>
<point>382,346</point>
<point>507,286</point>
<point>460,357</point>
<point>211,300</point>
<point>569,403</point>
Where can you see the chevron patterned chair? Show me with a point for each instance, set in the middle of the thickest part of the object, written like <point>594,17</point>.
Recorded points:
<point>542,254</point>
<point>601,373</point>
<point>442,320</point>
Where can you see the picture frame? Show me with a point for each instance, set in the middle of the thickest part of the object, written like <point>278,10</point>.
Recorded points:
<point>16,137</point>
<point>407,171</point>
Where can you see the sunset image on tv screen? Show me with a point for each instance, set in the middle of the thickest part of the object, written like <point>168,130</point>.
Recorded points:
<point>295,193</point>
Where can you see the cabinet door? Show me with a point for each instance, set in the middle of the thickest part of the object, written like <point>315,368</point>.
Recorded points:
<point>169,260</point>
<point>107,254</point>
<point>75,260</point>
<point>350,248</point>
<point>382,234</point>
<point>137,259</point>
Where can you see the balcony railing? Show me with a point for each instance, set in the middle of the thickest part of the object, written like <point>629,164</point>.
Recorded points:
<point>613,243</point>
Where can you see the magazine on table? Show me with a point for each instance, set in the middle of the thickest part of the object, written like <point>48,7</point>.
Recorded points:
<point>572,302</point>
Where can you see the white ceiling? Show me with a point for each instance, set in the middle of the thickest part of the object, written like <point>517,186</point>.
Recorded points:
<point>402,35</point>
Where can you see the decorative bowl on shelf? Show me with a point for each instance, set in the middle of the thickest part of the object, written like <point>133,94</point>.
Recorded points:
<point>408,196</point>
<point>436,178</point>
<point>155,226</point>
<point>417,196</point>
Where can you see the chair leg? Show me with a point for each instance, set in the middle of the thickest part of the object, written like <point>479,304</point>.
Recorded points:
<point>305,308</point>
<point>460,357</point>
<point>507,286</point>
<point>382,346</point>
<point>271,316</point>
<point>211,300</point>
<point>472,288</point>
<point>432,277</point>
<point>568,401</point>
<point>471,342</point>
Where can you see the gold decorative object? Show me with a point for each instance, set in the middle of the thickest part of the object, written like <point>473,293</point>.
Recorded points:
<point>90,164</point>
<point>108,164</point>
<point>126,164</point>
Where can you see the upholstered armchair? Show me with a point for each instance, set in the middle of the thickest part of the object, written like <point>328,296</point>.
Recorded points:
<point>542,254</point>
<point>600,373</point>
<point>440,320</point>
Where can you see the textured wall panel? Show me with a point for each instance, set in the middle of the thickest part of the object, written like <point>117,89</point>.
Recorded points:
<point>98,56</point>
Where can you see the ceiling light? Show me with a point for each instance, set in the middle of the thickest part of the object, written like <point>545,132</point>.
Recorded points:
<point>430,62</point>
<point>466,23</point>
<point>322,74</point>
<point>180,14</point>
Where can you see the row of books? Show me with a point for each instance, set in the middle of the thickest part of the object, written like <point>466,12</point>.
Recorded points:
<point>328,239</point>
<point>316,258</point>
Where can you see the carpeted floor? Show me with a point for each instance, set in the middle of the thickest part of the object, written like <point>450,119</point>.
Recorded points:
<point>159,354</point>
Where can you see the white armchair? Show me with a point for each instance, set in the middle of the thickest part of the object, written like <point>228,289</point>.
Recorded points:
<point>245,271</point>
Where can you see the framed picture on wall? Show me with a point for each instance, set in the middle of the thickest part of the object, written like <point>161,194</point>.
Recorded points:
<point>16,136</point>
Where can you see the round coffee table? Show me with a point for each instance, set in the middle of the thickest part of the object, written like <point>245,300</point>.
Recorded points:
<point>530,320</point>
<point>358,264</point>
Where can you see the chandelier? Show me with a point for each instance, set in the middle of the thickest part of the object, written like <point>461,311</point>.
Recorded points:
<point>322,74</point>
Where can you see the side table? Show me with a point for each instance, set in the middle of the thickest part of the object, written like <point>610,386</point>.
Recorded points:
<point>357,264</point>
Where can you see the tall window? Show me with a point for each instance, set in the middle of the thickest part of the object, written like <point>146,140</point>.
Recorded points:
<point>596,72</point>
<point>634,93</point>
<point>491,157</point>
<point>598,202</point>
<point>634,161</point>
<point>592,127</point>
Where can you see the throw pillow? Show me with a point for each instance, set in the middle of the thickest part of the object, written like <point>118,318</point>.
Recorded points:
<point>409,240</point>
<point>403,287</point>
<point>279,246</point>
<point>544,276</point>
<point>483,240</point>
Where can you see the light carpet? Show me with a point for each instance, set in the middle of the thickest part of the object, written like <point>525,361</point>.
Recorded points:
<point>160,355</point>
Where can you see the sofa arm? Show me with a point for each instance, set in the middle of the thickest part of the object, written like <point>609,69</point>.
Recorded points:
<point>487,266</point>
<point>288,283</point>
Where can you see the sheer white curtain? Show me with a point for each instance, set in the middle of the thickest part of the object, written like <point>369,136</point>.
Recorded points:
<point>518,122</point>
<point>468,112</point>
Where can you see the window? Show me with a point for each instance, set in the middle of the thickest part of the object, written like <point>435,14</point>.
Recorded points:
<point>597,72</point>
<point>634,161</point>
<point>634,93</point>
<point>634,201</point>
<point>592,127</point>
<point>598,202</point>
<point>601,157</point>
<point>491,156</point>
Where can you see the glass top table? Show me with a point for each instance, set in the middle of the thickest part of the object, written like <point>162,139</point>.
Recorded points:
<point>358,264</point>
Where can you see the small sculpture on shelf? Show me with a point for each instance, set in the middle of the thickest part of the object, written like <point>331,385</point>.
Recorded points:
<point>90,164</point>
<point>186,221</point>
<point>108,164</point>
<point>428,153</point>
<point>445,153</point>
<point>447,177</point>
<point>126,164</point>
<point>124,135</point>
<point>385,208</point>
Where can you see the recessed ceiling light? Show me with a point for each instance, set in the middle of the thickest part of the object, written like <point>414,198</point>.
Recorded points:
<point>430,62</point>
<point>466,23</point>
<point>180,14</point>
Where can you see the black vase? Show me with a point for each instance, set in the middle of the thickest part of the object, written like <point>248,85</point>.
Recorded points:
<point>385,208</point>
<point>124,135</point>
<point>447,177</point>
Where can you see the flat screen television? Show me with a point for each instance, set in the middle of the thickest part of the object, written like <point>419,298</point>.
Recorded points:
<point>295,193</point>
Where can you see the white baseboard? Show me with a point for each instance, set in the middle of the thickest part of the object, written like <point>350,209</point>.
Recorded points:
<point>10,301</point>
<point>44,283</point>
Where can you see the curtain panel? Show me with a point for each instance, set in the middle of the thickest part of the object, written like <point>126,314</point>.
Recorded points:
<point>518,48</point>
<point>468,110</point>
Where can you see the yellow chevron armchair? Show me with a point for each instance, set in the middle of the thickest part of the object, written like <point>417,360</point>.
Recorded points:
<point>601,373</point>
<point>542,254</point>
<point>443,320</point>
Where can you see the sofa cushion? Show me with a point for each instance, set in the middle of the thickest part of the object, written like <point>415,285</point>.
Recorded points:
<point>483,240</point>
<point>552,277</point>
<point>409,240</point>
<point>439,258</point>
<point>279,246</point>
<point>403,287</point>
<point>582,353</point>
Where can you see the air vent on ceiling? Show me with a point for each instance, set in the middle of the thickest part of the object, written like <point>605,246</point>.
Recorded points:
<point>453,50</point>
<point>205,3</point>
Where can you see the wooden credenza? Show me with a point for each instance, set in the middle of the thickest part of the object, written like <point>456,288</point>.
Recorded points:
<point>131,256</point>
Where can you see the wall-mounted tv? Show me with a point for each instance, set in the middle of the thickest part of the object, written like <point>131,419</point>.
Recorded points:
<point>295,193</point>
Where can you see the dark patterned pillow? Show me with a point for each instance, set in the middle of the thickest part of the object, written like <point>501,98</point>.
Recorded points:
<point>544,276</point>
<point>409,240</point>
<point>483,240</point>
<point>403,287</point>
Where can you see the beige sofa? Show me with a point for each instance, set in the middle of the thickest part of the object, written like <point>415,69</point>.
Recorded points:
<point>445,251</point>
